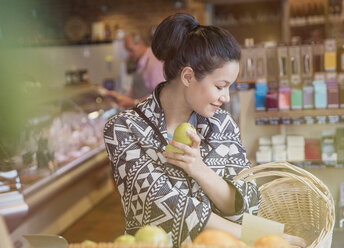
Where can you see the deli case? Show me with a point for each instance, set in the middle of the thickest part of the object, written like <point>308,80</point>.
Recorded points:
<point>57,169</point>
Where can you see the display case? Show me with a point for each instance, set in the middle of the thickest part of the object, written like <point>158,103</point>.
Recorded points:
<point>57,163</point>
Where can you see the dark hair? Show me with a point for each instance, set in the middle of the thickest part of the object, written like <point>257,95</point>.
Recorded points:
<point>181,41</point>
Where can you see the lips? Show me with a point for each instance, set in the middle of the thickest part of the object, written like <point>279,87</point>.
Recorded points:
<point>215,105</point>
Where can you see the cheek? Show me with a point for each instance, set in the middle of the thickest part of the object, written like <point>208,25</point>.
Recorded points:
<point>202,96</point>
<point>209,96</point>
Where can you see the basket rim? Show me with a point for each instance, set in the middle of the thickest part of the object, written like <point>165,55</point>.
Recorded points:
<point>290,173</point>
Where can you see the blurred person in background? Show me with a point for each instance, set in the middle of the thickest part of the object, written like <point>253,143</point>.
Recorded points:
<point>147,74</point>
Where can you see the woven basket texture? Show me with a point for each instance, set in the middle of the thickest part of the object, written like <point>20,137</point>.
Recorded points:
<point>297,199</point>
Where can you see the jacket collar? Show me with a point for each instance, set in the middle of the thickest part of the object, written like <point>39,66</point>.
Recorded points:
<point>152,109</point>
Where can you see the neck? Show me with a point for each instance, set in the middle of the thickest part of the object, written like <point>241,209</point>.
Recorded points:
<point>174,105</point>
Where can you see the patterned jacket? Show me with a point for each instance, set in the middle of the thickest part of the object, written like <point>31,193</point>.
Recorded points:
<point>154,192</point>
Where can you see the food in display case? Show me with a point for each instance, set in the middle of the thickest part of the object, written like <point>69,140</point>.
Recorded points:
<point>60,132</point>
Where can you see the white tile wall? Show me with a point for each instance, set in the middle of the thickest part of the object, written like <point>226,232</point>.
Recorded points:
<point>49,64</point>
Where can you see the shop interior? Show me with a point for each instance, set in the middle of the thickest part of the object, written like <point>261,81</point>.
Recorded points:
<point>55,176</point>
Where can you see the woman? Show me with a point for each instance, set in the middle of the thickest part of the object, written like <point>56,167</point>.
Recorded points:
<point>184,194</point>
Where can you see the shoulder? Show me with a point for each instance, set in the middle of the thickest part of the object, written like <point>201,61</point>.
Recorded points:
<point>130,123</point>
<point>121,122</point>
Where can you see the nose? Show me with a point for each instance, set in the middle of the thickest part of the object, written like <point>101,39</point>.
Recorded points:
<point>225,97</point>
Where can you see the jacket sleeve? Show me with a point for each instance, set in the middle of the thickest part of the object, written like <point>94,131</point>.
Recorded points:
<point>151,192</point>
<point>247,193</point>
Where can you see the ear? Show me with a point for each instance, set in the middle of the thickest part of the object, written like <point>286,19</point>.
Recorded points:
<point>186,75</point>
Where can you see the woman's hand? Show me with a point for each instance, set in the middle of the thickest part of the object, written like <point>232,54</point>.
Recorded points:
<point>294,241</point>
<point>191,161</point>
<point>215,187</point>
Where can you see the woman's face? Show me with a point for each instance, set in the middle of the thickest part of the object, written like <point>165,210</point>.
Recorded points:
<point>207,95</point>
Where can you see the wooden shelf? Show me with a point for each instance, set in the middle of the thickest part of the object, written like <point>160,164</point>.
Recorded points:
<point>299,113</point>
<point>246,81</point>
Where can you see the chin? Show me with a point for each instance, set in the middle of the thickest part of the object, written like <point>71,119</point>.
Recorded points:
<point>207,114</point>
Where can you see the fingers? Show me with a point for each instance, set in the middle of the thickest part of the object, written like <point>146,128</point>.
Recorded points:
<point>181,146</point>
<point>175,156</point>
<point>300,242</point>
<point>196,140</point>
<point>176,159</point>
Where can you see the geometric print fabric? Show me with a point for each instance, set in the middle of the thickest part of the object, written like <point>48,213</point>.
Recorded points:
<point>157,193</point>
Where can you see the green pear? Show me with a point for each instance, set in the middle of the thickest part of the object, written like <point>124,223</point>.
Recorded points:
<point>89,243</point>
<point>125,239</point>
<point>171,148</point>
<point>152,235</point>
<point>181,136</point>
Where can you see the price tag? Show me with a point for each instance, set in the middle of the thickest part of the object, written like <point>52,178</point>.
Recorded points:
<point>298,120</point>
<point>254,227</point>
<point>261,121</point>
<point>309,120</point>
<point>274,121</point>
<point>321,119</point>
<point>286,121</point>
<point>333,119</point>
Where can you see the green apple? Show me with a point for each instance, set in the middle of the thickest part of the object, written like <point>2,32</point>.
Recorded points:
<point>152,235</point>
<point>180,135</point>
<point>89,243</point>
<point>125,239</point>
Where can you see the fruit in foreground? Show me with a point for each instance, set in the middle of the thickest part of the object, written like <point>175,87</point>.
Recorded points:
<point>181,136</point>
<point>213,237</point>
<point>271,241</point>
<point>89,243</point>
<point>152,235</point>
<point>125,239</point>
<point>242,244</point>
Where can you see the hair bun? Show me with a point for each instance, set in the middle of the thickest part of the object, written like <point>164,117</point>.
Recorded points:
<point>170,34</point>
<point>195,26</point>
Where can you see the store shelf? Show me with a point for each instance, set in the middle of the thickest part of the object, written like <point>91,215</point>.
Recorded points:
<point>246,81</point>
<point>300,113</point>
<point>314,116</point>
<point>313,165</point>
<point>239,1</point>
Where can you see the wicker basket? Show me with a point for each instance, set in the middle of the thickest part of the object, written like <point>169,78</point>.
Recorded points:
<point>297,199</point>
